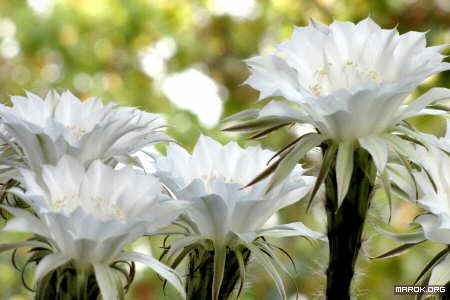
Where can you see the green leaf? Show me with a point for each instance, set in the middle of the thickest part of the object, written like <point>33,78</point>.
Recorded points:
<point>441,272</point>
<point>403,147</point>
<point>267,131</point>
<point>241,263</point>
<point>408,168</point>
<point>288,146</point>
<point>258,124</point>
<point>292,158</point>
<point>262,259</point>
<point>160,268</point>
<point>264,174</point>
<point>344,169</point>
<point>242,115</point>
<point>387,187</point>
<point>324,169</point>
<point>436,260</point>
<point>396,251</point>
<point>416,136</point>
<point>220,255</point>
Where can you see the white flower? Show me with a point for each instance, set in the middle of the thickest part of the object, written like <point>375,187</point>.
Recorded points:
<point>224,214</point>
<point>41,131</point>
<point>431,190</point>
<point>349,81</point>
<point>89,216</point>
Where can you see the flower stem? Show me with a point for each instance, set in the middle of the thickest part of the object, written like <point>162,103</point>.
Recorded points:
<point>345,225</point>
<point>200,276</point>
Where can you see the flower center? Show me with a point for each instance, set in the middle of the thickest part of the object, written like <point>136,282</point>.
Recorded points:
<point>332,77</point>
<point>98,206</point>
<point>77,131</point>
<point>106,210</point>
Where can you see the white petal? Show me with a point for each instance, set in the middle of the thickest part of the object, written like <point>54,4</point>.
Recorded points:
<point>107,282</point>
<point>49,263</point>
<point>432,95</point>
<point>272,77</point>
<point>291,229</point>
<point>344,169</point>
<point>377,148</point>
<point>158,267</point>
<point>432,229</point>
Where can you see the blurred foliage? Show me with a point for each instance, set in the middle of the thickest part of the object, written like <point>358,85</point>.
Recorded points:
<point>131,51</point>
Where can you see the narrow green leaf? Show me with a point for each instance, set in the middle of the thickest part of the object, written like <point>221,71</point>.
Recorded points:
<point>292,158</point>
<point>267,131</point>
<point>242,115</point>
<point>326,164</point>
<point>387,187</point>
<point>411,133</point>
<point>408,168</point>
<point>344,169</point>
<point>264,174</point>
<point>441,272</point>
<point>440,107</point>
<point>258,124</point>
<point>262,259</point>
<point>288,146</point>
<point>412,140</point>
<point>403,147</point>
<point>396,251</point>
<point>241,263</point>
<point>220,254</point>
<point>436,260</point>
<point>160,268</point>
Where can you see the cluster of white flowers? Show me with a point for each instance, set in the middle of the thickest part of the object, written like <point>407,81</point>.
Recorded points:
<point>348,81</point>
<point>64,152</point>
<point>85,208</point>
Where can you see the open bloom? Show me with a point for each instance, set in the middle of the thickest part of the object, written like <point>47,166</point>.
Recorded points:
<point>40,131</point>
<point>224,215</point>
<point>87,223</point>
<point>350,82</point>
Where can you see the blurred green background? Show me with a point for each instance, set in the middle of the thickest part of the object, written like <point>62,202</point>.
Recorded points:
<point>183,59</point>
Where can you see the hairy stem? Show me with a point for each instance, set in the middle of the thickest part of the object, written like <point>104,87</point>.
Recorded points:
<point>200,276</point>
<point>345,225</point>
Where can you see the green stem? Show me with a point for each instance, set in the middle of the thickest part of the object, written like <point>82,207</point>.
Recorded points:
<point>200,276</point>
<point>345,226</point>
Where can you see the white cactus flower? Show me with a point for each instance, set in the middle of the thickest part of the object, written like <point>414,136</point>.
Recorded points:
<point>430,190</point>
<point>87,223</point>
<point>224,213</point>
<point>349,81</point>
<point>42,130</point>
